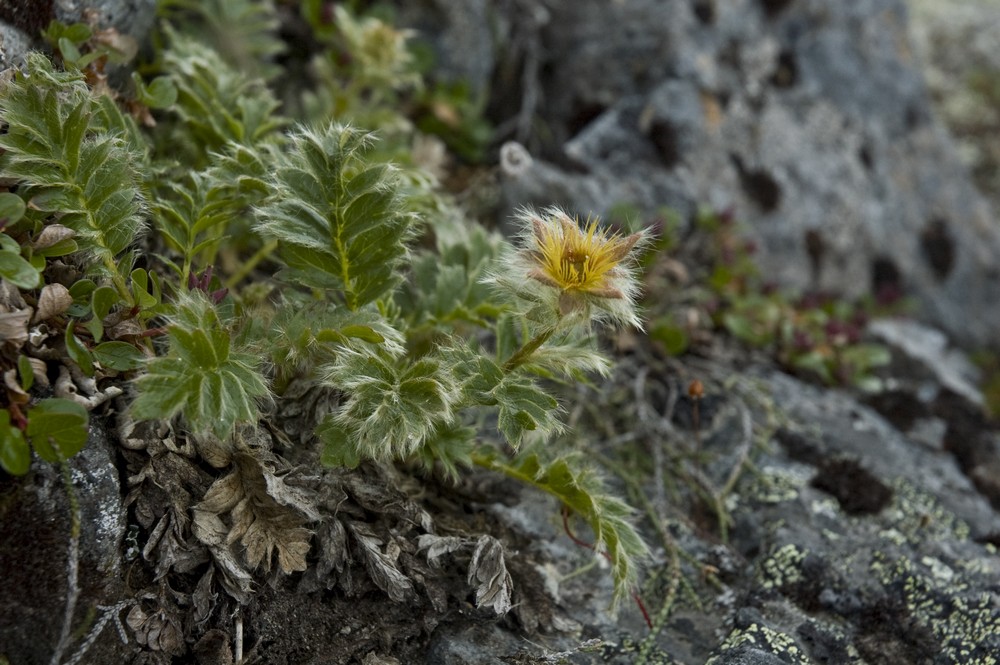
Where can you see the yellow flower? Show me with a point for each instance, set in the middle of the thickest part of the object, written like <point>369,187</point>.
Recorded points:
<point>571,273</point>
<point>586,260</point>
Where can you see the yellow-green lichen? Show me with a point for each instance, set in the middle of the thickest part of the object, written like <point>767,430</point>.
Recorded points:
<point>961,623</point>
<point>764,638</point>
<point>782,568</point>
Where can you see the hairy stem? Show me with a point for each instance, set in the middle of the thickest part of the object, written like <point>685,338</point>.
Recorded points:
<point>524,353</point>
<point>251,263</point>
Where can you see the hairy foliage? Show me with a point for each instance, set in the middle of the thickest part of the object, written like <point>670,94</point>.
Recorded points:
<point>579,488</point>
<point>341,220</point>
<point>413,355</point>
<point>393,406</point>
<point>242,31</point>
<point>216,103</point>
<point>310,334</point>
<point>64,166</point>
<point>202,375</point>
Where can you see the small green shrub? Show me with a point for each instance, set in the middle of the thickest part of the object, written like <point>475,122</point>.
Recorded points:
<point>281,253</point>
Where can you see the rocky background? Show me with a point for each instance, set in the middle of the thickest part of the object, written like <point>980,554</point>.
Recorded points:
<point>863,528</point>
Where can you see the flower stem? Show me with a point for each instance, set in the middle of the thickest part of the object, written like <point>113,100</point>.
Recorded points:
<point>248,267</point>
<point>521,355</point>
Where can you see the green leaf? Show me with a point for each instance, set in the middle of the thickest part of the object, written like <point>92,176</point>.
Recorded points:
<point>17,271</point>
<point>61,166</point>
<point>79,353</point>
<point>342,222</point>
<point>140,289</point>
<point>15,456</point>
<point>364,333</point>
<point>213,382</point>
<point>82,289</point>
<point>57,429</point>
<point>103,299</point>
<point>11,209</point>
<point>119,356</point>
<point>392,406</point>
<point>867,356</point>
<point>674,338</point>
<point>574,482</point>
<point>68,49</point>
<point>338,445</point>
<point>523,407</point>
<point>161,93</point>
<point>27,372</point>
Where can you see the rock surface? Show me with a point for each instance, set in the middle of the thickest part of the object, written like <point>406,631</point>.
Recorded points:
<point>23,21</point>
<point>810,120</point>
<point>35,527</point>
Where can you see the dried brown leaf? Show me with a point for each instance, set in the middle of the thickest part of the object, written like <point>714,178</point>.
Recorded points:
<point>438,546</point>
<point>381,565</point>
<point>203,597</point>
<point>52,234</point>
<point>159,630</point>
<point>488,572</point>
<point>266,515</point>
<point>14,327</point>
<point>53,300</point>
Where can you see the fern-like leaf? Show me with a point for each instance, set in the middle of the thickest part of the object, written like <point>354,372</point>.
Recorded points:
<point>63,165</point>
<point>243,31</point>
<point>392,407</point>
<point>579,488</point>
<point>217,103</point>
<point>192,217</point>
<point>341,220</point>
<point>213,385</point>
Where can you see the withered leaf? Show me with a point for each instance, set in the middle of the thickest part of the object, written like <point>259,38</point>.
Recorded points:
<point>159,630</point>
<point>266,515</point>
<point>488,572</point>
<point>14,327</point>
<point>52,301</point>
<point>51,235</point>
<point>203,597</point>
<point>381,566</point>
<point>437,546</point>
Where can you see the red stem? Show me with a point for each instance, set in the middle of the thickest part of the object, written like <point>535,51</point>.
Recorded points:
<point>590,546</point>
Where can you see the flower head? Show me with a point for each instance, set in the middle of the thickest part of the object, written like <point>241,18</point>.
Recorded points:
<point>587,269</point>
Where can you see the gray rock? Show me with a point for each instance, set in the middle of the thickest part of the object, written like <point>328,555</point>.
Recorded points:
<point>811,121</point>
<point>35,527</point>
<point>22,21</point>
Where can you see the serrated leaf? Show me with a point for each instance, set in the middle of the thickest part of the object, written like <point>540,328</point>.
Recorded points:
<point>523,407</point>
<point>338,445</point>
<point>576,485</point>
<point>266,515</point>
<point>90,178</point>
<point>392,406</point>
<point>57,428</point>
<point>202,376</point>
<point>119,356</point>
<point>342,223</point>
<point>15,456</point>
